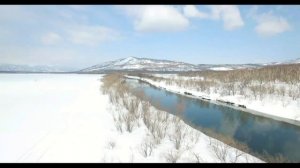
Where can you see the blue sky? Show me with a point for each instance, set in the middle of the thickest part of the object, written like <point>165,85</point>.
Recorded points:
<point>81,36</point>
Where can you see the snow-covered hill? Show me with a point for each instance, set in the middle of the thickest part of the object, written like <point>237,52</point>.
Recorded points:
<point>226,67</point>
<point>28,68</point>
<point>145,64</point>
<point>293,61</point>
<point>138,64</point>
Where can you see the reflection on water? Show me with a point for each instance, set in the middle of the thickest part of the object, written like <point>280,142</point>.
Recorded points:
<point>259,133</point>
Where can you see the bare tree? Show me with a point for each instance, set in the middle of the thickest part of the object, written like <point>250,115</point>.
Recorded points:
<point>172,156</point>
<point>275,158</point>
<point>220,150</point>
<point>260,82</point>
<point>254,90</point>
<point>111,144</point>
<point>197,157</point>
<point>129,121</point>
<point>147,146</point>
<point>239,152</point>
<point>119,124</point>
<point>178,135</point>
<point>194,136</point>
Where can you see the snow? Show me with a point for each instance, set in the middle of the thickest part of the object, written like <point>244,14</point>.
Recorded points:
<point>270,106</point>
<point>130,60</point>
<point>135,63</point>
<point>52,118</point>
<point>142,63</point>
<point>220,69</point>
<point>65,118</point>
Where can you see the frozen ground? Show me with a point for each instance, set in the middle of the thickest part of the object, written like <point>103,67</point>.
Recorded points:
<point>65,118</point>
<point>52,118</point>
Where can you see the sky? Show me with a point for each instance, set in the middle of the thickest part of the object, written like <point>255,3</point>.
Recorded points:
<point>79,36</point>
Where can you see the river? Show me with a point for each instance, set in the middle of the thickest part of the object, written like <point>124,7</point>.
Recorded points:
<point>259,133</point>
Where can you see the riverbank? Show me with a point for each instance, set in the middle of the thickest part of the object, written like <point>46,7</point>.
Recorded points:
<point>267,109</point>
<point>161,136</point>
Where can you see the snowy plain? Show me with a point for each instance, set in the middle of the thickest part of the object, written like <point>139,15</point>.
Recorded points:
<point>52,118</point>
<point>65,118</point>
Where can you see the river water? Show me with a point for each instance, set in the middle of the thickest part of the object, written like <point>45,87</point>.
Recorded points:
<point>260,134</point>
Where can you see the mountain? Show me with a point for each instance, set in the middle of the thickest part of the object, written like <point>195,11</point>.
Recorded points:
<point>142,64</point>
<point>293,61</point>
<point>31,69</point>
<point>226,67</point>
<point>155,65</point>
<point>138,64</point>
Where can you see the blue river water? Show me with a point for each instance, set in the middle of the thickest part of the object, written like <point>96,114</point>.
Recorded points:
<point>260,134</point>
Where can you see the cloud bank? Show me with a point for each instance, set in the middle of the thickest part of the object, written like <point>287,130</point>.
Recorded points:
<point>270,25</point>
<point>156,18</point>
<point>229,14</point>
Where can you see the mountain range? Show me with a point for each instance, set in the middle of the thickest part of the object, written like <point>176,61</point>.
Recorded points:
<point>139,64</point>
<point>32,69</point>
<point>156,65</point>
<point>143,64</point>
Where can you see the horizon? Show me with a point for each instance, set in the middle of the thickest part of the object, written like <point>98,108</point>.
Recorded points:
<point>70,68</point>
<point>80,36</point>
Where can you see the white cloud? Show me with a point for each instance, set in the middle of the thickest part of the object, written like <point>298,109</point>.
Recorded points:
<point>270,25</point>
<point>48,55</point>
<point>68,25</point>
<point>192,11</point>
<point>229,14</point>
<point>34,56</point>
<point>156,18</point>
<point>44,26</point>
<point>51,38</point>
<point>91,35</point>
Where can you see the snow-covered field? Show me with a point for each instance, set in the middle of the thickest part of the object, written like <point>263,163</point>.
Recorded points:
<point>52,118</point>
<point>65,118</point>
<point>271,105</point>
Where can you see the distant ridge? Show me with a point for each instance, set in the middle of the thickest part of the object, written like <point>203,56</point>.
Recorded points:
<point>137,64</point>
<point>158,65</point>
<point>145,64</point>
<point>31,69</point>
